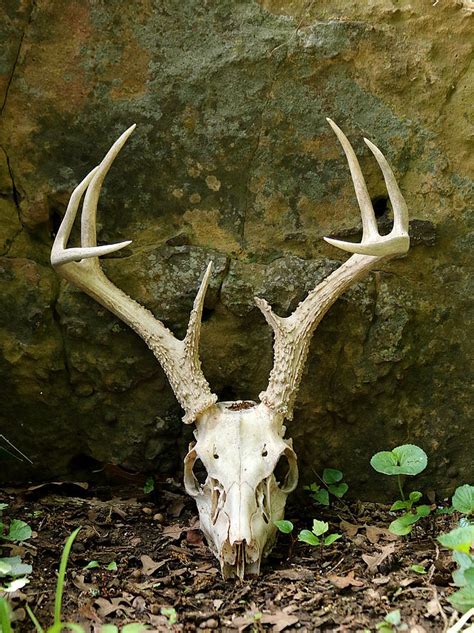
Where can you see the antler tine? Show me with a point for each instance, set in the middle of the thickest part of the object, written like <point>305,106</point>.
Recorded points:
<point>92,184</point>
<point>91,199</point>
<point>372,242</point>
<point>293,333</point>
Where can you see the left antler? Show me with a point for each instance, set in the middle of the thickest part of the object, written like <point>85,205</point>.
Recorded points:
<point>80,266</point>
<point>293,334</point>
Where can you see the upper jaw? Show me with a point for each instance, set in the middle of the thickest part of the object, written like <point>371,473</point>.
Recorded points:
<point>240,560</point>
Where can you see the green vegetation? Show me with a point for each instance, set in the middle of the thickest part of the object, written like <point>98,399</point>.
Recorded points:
<point>332,484</point>
<point>403,460</point>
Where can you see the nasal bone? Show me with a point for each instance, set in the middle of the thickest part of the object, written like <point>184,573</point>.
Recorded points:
<point>240,508</point>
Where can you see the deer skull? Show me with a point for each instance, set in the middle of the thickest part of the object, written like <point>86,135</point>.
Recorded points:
<point>241,445</point>
<point>250,470</point>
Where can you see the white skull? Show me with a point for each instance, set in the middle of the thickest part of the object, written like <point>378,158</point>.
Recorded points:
<point>250,470</point>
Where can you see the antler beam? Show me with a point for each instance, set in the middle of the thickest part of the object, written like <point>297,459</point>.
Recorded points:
<point>293,334</point>
<point>179,358</point>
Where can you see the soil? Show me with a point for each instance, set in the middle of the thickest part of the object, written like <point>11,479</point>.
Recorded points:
<point>162,562</point>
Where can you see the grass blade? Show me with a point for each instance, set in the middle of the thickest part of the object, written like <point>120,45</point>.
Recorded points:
<point>58,600</point>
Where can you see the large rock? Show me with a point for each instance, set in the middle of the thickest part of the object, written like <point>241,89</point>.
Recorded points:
<point>232,160</point>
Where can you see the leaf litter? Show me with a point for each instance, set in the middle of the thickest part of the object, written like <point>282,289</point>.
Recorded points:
<point>163,563</point>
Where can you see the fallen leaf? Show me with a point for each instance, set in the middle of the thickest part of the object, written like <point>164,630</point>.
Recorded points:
<point>106,607</point>
<point>341,582</point>
<point>173,532</point>
<point>279,620</point>
<point>373,562</point>
<point>350,529</point>
<point>150,566</point>
<point>78,581</point>
<point>374,534</point>
<point>381,580</point>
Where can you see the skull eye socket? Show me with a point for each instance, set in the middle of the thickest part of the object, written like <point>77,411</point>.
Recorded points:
<point>195,474</point>
<point>286,471</point>
<point>199,472</point>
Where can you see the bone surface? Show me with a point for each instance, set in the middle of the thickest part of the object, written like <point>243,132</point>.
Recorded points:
<point>249,466</point>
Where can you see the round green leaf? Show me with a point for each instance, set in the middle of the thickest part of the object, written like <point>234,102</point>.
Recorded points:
<point>331,475</point>
<point>418,569</point>
<point>338,490</point>
<point>284,526</point>
<point>463,499</point>
<point>463,600</point>
<point>422,511</point>
<point>330,538</point>
<point>19,531</point>
<point>320,527</point>
<point>93,564</point>
<point>402,460</point>
<point>305,536</point>
<point>460,539</point>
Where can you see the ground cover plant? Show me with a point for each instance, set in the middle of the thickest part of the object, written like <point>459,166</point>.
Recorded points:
<point>139,561</point>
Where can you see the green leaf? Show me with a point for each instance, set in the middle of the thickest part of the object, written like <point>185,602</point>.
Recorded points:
<point>401,505</point>
<point>19,531</point>
<point>331,475</point>
<point>338,490</point>
<point>459,539</point>
<point>170,613</point>
<point>5,569</point>
<point>92,564</point>
<point>402,460</point>
<point>16,567</point>
<point>320,527</point>
<point>109,628</point>
<point>305,536</point>
<point>321,496</point>
<point>58,595</point>
<point>463,600</point>
<point>330,538</point>
<point>138,628</point>
<point>284,526</point>
<point>3,506</point>
<point>393,617</point>
<point>418,569</point>
<point>415,496</point>
<point>463,499</point>
<point>403,525</point>
<point>149,485</point>
<point>422,511</point>
<point>112,566</point>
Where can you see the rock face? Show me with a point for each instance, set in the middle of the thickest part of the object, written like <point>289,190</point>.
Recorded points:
<point>232,160</point>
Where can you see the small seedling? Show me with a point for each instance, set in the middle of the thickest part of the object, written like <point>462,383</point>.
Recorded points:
<point>392,622</point>
<point>319,530</point>
<point>12,571</point>
<point>403,460</point>
<point>94,564</point>
<point>332,484</point>
<point>418,569</point>
<point>461,542</point>
<point>285,527</point>
<point>170,613</point>
<point>149,486</point>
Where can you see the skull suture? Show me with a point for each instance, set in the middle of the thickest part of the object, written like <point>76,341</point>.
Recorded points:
<point>250,470</point>
<point>241,445</point>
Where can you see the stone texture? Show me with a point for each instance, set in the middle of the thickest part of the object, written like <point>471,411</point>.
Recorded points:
<point>232,160</point>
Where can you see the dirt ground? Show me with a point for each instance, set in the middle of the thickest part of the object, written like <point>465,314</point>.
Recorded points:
<point>162,562</point>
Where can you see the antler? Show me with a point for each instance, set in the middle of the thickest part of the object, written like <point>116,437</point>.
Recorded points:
<point>179,358</point>
<point>293,334</point>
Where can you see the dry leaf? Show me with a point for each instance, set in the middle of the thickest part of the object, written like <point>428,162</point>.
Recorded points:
<point>173,532</point>
<point>349,528</point>
<point>374,534</point>
<point>149,565</point>
<point>341,582</point>
<point>106,607</point>
<point>374,561</point>
<point>280,620</point>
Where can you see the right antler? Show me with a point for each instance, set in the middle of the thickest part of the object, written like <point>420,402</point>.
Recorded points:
<point>179,358</point>
<point>293,334</point>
